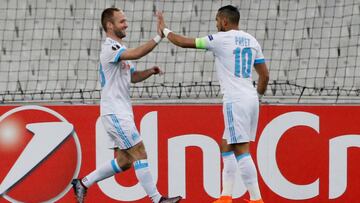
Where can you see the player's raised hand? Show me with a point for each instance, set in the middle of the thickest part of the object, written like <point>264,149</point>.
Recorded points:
<point>161,21</point>
<point>159,30</point>
<point>157,70</point>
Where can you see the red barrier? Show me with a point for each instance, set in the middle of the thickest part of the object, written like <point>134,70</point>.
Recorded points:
<point>303,153</point>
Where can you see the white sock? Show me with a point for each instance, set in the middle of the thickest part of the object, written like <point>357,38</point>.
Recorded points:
<point>145,178</point>
<point>106,170</point>
<point>228,173</point>
<point>249,175</point>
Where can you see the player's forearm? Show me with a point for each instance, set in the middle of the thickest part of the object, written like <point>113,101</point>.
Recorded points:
<point>263,80</point>
<point>142,50</point>
<point>139,76</point>
<point>262,84</point>
<point>181,41</point>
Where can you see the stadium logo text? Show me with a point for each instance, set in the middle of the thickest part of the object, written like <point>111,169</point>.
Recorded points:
<point>266,160</point>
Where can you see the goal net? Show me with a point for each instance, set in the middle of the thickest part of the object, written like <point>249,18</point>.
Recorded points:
<point>49,49</point>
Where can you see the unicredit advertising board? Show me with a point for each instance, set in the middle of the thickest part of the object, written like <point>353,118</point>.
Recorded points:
<point>303,153</point>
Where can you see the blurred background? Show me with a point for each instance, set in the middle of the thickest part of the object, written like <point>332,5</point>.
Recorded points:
<point>49,49</point>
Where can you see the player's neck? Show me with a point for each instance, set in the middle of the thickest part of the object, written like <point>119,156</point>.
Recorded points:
<point>233,27</point>
<point>114,37</point>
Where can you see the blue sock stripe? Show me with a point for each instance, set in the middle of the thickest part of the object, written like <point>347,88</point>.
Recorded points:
<point>115,166</point>
<point>229,153</point>
<point>242,156</point>
<point>141,164</point>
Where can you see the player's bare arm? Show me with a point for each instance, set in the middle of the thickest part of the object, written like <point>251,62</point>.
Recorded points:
<point>263,80</point>
<point>138,52</point>
<point>178,40</point>
<point>138,76</point>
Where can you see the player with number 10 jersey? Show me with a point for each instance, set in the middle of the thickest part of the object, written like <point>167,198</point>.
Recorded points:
<point>236,52</point>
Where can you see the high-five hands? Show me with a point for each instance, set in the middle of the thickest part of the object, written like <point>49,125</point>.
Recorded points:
<point>160,23</point>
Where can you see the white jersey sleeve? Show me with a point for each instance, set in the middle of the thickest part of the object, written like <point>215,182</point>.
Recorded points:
<point>206,42</point>
<point>259,58</point>
<point>115,53</point>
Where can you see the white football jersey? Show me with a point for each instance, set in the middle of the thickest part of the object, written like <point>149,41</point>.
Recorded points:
<point>236,52</point>
<point>115,77</point>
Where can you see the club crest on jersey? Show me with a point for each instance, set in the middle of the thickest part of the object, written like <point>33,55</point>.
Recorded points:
<point>125,65</point>
<point>210,37</point>
<point>115,47</point>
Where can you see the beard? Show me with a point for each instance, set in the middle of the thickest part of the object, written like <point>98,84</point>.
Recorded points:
<point>222,29</point>
<point>119,33</point>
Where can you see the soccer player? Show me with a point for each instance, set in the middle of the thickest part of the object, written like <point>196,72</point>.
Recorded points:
<point>116,72</point>
<point>236,52</point>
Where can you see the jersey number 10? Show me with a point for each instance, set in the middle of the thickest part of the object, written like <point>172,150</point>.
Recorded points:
<point>246,60</point>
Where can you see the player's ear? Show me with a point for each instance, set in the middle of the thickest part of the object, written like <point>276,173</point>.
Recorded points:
<point>109,25</point>
<point>224,22</point>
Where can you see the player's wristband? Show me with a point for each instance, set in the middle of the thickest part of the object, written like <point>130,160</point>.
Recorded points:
<point>157,39</point>
<point>166,32</point>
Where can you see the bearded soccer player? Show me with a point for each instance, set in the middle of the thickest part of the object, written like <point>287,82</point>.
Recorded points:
<point>116,72</point>
<point>236,52</point>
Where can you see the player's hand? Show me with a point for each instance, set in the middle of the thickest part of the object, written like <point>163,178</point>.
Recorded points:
<point>156,70</point>
<point>161,22</point>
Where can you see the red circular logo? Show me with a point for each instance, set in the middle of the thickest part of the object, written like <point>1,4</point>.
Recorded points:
<point>42,153</point>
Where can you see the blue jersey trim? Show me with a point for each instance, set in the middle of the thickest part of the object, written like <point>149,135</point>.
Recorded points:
<point>120,131</point>
<point>117,57</point>
<point>230,119</point>
<point>102,76</point>
<point>259,61</point>
<point>132,69</point>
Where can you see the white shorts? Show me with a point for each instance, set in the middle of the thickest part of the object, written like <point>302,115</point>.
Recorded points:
<point>241,119</point>
<point>122,132</point>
